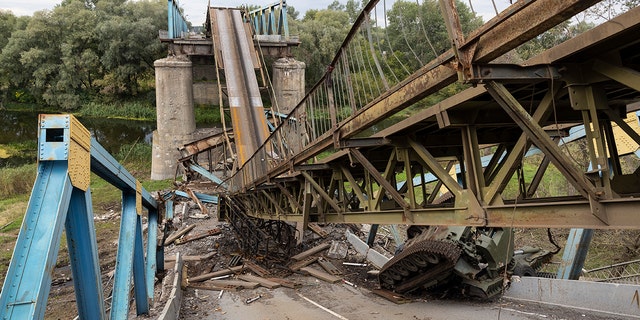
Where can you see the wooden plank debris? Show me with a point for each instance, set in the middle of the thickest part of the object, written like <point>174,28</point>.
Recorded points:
<point>193,258</point>
<point>214,288</point>
<point>286,283</point>
<point>314,250</point>
<point>317,229</point>
<point>219,273</point>
<point>236,283</point>
<point>208,233</point>
<point>329,267</point>
<point>178,234</point>
<point>193,196</point>
<point>321,274</point>
<point>303,263</point>
<point>262,281</point>
<point>257,269</point>
<point>391,296</point>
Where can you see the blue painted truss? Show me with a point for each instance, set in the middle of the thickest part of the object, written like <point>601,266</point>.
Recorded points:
<point>61,201</point>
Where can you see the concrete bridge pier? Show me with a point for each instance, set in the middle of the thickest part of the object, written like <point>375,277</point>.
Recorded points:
<point>288,83</point>
<point>175,115</point>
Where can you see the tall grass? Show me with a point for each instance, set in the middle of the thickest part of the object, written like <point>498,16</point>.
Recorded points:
<point>17,180</point>
<point>136,110</point>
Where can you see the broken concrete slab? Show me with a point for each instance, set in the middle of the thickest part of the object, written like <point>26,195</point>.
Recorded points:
<point>376,258</point>
<point>338,250</point>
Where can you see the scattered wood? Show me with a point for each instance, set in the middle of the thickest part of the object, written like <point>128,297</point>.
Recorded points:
<point>257,269</point>
<point>314,250</point>
<point>303,263</point>
<point>236,283</point>
<point>193,196</point>
<point>214,288</point>
<point>212,232</point>
<point>219,273</point>
<point>286,283</point>
<point>178,234</point>
<point>262,281</point>
<point>391,296</point>
<point>193,258</point>
<point>185,281</point>
<point>329,267</point>
<point>317,229</point>
<point>321,274</point>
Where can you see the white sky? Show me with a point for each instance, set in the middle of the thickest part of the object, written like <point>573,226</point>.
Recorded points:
<point>195,10</point>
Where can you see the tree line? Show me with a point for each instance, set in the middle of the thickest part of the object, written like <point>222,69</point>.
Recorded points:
<point>103,50</point>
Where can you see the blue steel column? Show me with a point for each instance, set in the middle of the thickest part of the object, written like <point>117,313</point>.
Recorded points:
<point>152,238</point>
<point>139,279</point>
<point>28,281</point>
<point>83,254</point>
<point>575,253</point>
<point>124,258</point>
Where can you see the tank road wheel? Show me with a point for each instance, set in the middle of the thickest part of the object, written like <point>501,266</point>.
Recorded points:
<point>432,258</point>
<point>409,265</point>
<point>385,278</point>
<point>418,260</point>
<point>394,274</point>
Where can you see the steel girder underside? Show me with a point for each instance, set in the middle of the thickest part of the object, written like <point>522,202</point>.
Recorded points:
<point>403,174</point>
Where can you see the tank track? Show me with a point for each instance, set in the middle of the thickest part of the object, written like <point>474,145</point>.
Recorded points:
<point>424,263</point>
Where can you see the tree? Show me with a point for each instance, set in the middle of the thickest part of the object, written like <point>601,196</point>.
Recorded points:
<point>321,33</point>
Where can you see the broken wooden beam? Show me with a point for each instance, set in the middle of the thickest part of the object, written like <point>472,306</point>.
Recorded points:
<point>214,288</point>
<point>317,229</point>
<point>178,234</point>
<point>193,258</point>
<point>329,267</point>
<point>303,263</point>
<point>311,251</point>
<point>391,296</point>
<point>260,271</point>
<point>321,274</point>
<point>236,283</point>
<point>262,281</point>
<point>193,196</point>
<point>219,273</point>
<point>286,283</point>
<point>212,232</point>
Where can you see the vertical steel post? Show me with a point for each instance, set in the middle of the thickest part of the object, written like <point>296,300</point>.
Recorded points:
<point>83,254</point>
<point>139,280</point>
<point>124,258</point>
<point>575,253</point>
<point>152,252</point>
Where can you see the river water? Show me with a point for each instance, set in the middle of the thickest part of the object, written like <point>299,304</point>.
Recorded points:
<point>18,129</point>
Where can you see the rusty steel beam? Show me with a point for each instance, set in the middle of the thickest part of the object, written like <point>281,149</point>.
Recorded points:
<point>622,214</point>
<point>541,139</point>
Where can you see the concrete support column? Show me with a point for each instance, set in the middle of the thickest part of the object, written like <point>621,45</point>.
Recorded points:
<point>288,83</point>
<point>175,116</point>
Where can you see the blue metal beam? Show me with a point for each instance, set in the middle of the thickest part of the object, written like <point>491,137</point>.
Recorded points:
<point>176,24</point>
<point>124,258</point>
<point>83,254</point>
<point>61,198</point>
<point>28,279</point>
<point>575,253</point>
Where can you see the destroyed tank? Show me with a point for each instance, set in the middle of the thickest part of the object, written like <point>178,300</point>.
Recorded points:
<point>479,261</point>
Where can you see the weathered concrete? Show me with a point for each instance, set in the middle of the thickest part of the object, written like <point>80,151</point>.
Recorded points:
<point>288,83</point>
<point>175,117</point>
<point>621,300</point>
<point>206,93</point>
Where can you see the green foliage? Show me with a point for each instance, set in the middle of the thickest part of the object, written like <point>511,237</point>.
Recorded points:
<point>207,114</point>
<point>321,33</point>
<point>138,110</point>
<point>81,49</point>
